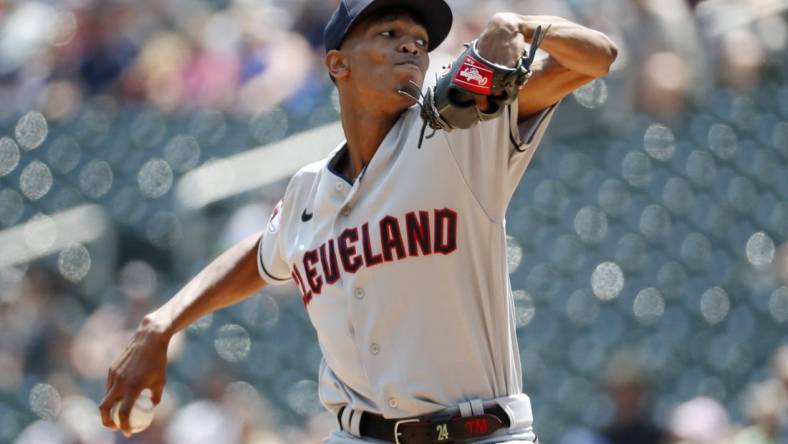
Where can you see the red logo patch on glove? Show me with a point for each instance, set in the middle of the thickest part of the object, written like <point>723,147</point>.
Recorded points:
<point>474,76</point>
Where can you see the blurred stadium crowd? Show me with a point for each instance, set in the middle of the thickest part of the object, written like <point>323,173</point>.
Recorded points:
<point>648,248</point>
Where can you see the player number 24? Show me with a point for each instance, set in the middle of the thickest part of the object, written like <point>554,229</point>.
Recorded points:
<point>443,432</point>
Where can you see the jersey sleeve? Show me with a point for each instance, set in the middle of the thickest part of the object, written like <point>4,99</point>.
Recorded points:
<point>273,269</point>
<point>494,154</point>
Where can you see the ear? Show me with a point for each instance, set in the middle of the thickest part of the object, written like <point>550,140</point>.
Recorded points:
<point>337,64</point>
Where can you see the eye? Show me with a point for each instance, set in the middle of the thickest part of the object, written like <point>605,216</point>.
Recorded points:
<point>421,42</point>
<point>387,33</point>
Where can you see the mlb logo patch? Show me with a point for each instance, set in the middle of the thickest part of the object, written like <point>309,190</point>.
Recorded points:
<point>474,76</point>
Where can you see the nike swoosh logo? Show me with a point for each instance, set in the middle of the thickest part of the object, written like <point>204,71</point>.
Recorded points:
<point>306,217</point>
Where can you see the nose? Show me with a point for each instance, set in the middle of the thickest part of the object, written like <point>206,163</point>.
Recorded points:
<point>409,45</point>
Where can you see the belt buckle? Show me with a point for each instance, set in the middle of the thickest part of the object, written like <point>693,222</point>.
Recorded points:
<point>397,434</point>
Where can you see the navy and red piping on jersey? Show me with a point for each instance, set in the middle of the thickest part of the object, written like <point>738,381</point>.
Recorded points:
<point>262,265</point>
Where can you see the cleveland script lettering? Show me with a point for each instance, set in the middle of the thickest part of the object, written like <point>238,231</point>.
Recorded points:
<point>417,233</point>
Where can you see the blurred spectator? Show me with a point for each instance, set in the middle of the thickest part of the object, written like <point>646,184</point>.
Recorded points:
<point>780,365</point>
<point>106,53</point>
<point>699,421</point>
<point>311,19</point>
<point>735,42</point>
<point>628,389</point>
<point>764,404</point>
<point>664,65</point>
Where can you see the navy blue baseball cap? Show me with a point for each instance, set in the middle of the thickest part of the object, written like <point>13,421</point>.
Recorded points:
<point>435,15</point>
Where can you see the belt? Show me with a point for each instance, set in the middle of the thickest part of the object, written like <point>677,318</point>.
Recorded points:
<point>432,429</point>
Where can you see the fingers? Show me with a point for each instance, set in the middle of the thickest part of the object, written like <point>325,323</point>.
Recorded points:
<point>482,103</point>
<point>110,380</point>
<point>124,411</point>
<point>156,392</point>
<point>105,409</point>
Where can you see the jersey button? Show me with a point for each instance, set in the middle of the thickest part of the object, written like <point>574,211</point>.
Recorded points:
<point>393,403</point>
<point>340,187</point>
<point>359,293</point>
<point>346,211</point>
<point>374,348</point>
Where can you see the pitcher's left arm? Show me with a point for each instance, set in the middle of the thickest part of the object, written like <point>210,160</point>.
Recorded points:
<point>576,55</point>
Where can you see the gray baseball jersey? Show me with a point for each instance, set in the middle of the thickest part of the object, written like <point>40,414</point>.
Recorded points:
<point>403,272</point>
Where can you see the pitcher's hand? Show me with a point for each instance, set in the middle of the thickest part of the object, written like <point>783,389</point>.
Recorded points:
<point>503,42</point>
<point>505,39</point>
<point>143,364</point>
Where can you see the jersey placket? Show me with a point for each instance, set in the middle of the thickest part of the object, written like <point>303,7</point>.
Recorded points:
<point>352,290</point>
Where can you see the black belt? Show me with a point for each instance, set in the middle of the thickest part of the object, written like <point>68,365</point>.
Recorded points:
<point>433,429</point>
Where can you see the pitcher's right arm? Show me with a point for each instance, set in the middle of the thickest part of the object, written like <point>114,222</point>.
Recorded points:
<point>228,280</point>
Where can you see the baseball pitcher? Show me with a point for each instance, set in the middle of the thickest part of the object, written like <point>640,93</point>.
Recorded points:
<point>397,240</point>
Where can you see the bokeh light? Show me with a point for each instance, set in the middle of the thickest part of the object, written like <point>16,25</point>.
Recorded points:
<point>593,95</point>
<point>778,305</point>
<point>232,343</point>
<point>701,168</point>
<point>261,312</point>
<point>696,251</point>
<point>31,130</point>
<point>672,279</point>
<point>591,225</point>
<point>607,281</point>
<point>148,129</point>
<point>550,198</point>
<point>244,396</point>
<point>64,154</point>
<point>138,280</point>
<point>760,249</point>
<point>659,142</point>
<point>714,305</point>
<point>514,254</point>
<point>524,307</point>
<point>723,141</point>
<point>655,223</point>
<point>614,197</point>
<point>36,180</point>
<point>678,196</point>
<point>582,307</point>
<point>649,306</point>
<point>12,206</point>
<point>164,229</point>
<point>155,178</point>
<point>269,126</point>
<point>74,262</point>
<point>631,252</point>
<point>9,156</point>
<point>45,401</point>
<point>96,179</point>
<point>182,153</point>
<point>201,325</point>
<point>636,169</point>
<point>742,194</point>
<point>303,399</point>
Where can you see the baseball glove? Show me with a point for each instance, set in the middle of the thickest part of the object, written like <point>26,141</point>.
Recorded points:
<point>451,103</point>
